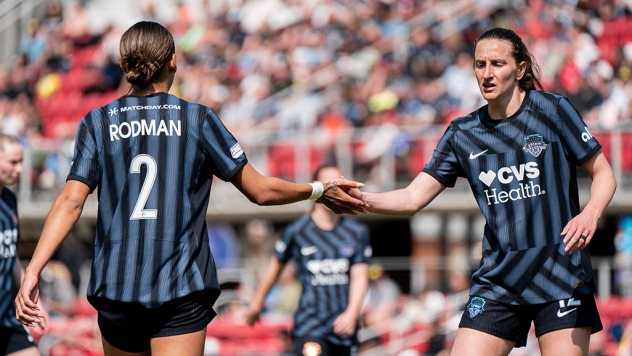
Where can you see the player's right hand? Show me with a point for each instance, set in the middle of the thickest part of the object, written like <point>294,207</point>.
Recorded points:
<point>26,310</point>
<point>252,316</point>
<point>336,199</point>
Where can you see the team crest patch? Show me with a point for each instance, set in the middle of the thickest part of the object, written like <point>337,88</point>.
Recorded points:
<point>534,144</point>
<point>347,249</point>
<point>476,306</point>
<point>311,349</point>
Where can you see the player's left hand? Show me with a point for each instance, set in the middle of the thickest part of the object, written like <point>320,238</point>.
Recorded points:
<point>42,328</point>
<point>345,324</point>
<point>579,231</point>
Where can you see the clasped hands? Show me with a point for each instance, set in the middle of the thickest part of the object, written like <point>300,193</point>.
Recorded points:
<point>343,196</point>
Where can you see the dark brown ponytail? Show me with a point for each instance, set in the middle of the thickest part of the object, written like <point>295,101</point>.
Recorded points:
<point>145,48</point>
<point>531,78</point>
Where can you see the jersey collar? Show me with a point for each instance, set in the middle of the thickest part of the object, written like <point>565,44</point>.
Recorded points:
<point>491,123</point>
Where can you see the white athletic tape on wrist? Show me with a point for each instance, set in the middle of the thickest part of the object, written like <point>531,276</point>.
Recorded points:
<point>317,190</point>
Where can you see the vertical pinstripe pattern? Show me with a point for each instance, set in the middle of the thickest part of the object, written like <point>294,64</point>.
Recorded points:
<point>526,196</point>
<point>141,258</point>
<point>323,261</point>
<point>9,235</point>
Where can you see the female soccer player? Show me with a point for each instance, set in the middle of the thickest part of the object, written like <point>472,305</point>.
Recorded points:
<point>153,157</point>
<point>331,254</point>
<point>15,338</point>
<point>519,154</point>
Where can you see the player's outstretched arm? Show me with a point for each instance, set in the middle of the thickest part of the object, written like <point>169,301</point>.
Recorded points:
<point>62,218</point>
<point>408,201</point>
<point>601,191</point>
<point>263,190</point>
<point>271,277</point>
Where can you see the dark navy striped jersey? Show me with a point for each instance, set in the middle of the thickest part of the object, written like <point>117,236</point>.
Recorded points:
<point>153,159</point>
<point>522,171</point>
<point>323,260</point>
<point>8,253</point>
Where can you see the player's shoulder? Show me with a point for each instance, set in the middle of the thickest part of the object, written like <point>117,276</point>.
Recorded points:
<point>9,197</point>
<point>544,101</point>
<point>358,227</point>
<point>467,122</point>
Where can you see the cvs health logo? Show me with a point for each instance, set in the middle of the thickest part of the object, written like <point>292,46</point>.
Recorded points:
<point>507,175</point>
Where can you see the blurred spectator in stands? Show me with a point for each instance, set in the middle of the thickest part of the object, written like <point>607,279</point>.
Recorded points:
<point>623,258</point>
<point>256,247</point>
<point>223,245</point>
<point>381,299</point>
<point>436,342</point>
<point>284,297</point>
<point>56,290</point>
<point>33,43</point>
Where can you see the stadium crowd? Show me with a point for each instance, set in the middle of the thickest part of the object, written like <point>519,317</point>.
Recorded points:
<point>343,63</point>
<point>299,65</point>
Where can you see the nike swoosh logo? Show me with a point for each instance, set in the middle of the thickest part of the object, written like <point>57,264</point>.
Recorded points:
<point>561,314</point>
<point>472,155</point>
<point>306,251</point>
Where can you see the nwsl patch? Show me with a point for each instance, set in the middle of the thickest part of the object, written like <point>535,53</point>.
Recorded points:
<point>476,306</point>
<point>534,144</point>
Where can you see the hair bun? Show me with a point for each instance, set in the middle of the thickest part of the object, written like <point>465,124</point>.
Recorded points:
<point>139,69</point>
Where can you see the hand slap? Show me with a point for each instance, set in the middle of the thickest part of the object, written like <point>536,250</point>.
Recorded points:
<point>336,199</point>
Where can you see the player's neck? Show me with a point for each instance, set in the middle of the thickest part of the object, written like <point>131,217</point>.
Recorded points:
<point>1,188</point>
<point>506,105</point>
<point>153,88</point>
<point>324,218</point>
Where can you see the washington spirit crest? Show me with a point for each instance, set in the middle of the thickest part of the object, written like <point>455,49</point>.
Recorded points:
<point>476,306</point>
<point>534,144</point>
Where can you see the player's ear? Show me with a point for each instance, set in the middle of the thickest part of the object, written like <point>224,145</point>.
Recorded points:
<point>522,68</point>
<point>122,67</point>
<point>173,66</point>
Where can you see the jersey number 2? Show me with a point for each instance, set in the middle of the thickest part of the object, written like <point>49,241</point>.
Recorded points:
<point>152,169</point>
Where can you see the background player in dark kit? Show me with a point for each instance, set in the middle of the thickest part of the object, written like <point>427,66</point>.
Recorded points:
<point>153,157</point>
<point>519,154</point>
<point>332,255</point>
<point>15,338</point>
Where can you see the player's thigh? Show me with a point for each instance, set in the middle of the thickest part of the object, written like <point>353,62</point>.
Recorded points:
<point>567,342</point>
<point>191,344</point>
<point>470,342</point>
<point>109,350</point>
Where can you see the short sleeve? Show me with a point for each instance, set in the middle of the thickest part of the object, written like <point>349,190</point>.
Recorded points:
<point>577,140</point>
<point>364,252</point>
<point>225,152</point>
<point>444,165</point>
<point>85,165</point>
<point>283,246</point>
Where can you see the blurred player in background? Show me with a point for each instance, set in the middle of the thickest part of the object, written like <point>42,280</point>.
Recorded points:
<point>519,154</point>
<point>332,255</point>
<point>15,338</point>
<point>153,157</point>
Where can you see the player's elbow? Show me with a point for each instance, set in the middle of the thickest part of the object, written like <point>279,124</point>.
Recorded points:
<point>261,198</point>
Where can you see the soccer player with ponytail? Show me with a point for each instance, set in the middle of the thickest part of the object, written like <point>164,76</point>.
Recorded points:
<point>153,157</point>
<point>519,154</point>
